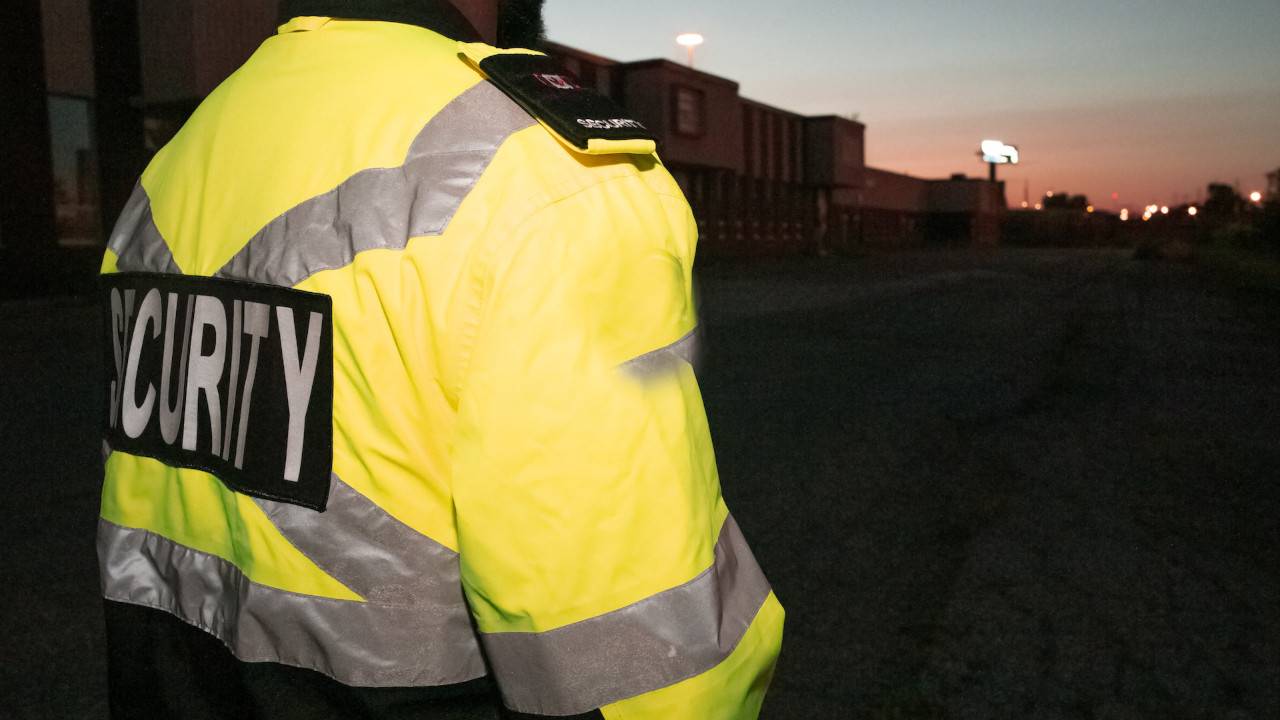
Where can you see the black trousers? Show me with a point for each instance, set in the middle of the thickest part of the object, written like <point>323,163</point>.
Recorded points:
<point>160,668</point>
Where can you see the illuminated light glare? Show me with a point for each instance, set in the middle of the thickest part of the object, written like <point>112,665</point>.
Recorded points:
<point>1192,211</point>
<point>1024,203</point>
<point>1049,194</point>
<point>1255,196</point>
<point>1124,215</point>
<point>690,40</point>
<point>1039,206</point>
<point>998,152</point>
<point>1089,209</point>
<point>1164,209</point>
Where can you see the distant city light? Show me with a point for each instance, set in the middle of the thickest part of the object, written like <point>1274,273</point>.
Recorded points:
<point>1124,215</point>
<point>1049,194</point>
<point>1024,203</point>
<point>1192,211</point>
<point>1255,196</point>
<point>1164,209</point>
<point>1089,209</point>
<point>1039,206</point>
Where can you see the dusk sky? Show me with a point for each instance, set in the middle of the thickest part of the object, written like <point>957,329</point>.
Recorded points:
<point>1149,99</point>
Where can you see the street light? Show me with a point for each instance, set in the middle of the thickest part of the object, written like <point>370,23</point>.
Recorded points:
<point>690,42</point>
<point>1255,196</point>
<point>1192,211</point>
<point>998,152</point>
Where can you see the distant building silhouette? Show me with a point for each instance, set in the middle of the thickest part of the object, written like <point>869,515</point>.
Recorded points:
<point>84,116</point>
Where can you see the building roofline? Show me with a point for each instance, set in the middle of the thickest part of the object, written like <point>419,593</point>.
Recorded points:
<point>838,118</point>
<point>562,49</point>
<point>677,67</point>
<point>772,108</point>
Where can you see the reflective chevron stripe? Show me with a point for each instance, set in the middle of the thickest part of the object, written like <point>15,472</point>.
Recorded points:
<point>137,242</point>
<point>382,208</point>
<point>379,208</point>
<point>665,359</point>
<point>412,632</point>
<point>651,644</point>
<point>362,546</point>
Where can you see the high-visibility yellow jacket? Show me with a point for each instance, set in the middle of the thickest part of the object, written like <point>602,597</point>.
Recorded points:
<point>516,453</point>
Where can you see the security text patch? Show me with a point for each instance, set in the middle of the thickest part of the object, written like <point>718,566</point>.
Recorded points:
<point>228,377</point>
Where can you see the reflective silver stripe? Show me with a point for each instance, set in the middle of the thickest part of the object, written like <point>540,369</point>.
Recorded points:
<point>385,207</point>
<point>357,643</point>
<point>374,554</point>
<point>652,644</point>
<point>136,240</point>
<point>664,359</point>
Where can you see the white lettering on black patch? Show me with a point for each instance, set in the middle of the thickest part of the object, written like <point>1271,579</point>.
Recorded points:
<point>228,377</point>
<point>551,94</point>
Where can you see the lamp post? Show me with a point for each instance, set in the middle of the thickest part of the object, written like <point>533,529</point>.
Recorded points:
<point>690,42</point>
<point>997,152</point>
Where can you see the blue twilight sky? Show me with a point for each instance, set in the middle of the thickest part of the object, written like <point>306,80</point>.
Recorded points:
<point>1148,99</point>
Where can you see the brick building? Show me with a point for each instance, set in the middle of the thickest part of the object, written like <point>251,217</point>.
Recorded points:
<point>766,181</point>
<point>84,116</point>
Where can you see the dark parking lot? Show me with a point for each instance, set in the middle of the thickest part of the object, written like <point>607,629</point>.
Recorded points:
<point>985,484</point>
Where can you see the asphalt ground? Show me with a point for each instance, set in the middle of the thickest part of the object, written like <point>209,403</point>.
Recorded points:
<point>1014,484</point>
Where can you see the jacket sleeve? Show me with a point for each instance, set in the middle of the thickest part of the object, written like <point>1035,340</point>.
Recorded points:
<point>603,569</point>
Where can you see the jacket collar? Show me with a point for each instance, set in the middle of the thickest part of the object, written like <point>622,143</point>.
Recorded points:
<point>436,15</point>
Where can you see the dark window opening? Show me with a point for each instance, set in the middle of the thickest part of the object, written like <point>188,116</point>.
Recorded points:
<point>690,111</point>
<point>77,215</point>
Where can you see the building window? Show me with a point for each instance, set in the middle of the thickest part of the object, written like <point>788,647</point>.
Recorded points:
<point>690,111</point>
<point>75,172</point>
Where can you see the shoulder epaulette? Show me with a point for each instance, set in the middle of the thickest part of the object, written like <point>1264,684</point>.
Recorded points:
<point>585,120</point>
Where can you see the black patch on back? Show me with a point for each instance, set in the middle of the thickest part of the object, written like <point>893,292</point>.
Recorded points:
<point>234,350</point>
<point>553,95</point>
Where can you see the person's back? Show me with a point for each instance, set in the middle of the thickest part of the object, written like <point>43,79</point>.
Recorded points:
<point>395,378</point>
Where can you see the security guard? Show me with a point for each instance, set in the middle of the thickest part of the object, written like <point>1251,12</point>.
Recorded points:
<point>400,406</point>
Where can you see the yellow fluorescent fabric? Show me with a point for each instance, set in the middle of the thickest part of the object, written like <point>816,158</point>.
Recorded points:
<point>600,146</point>
<point>227,174</point>
<point>109,260</point>
<point>195,509</point>
<point>579,489</point>
<point>743,676</point>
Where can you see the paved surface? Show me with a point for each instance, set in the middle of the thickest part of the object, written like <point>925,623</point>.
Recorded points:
<point>1033,484</point>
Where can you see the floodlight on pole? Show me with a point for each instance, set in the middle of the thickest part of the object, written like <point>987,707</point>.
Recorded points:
<point>690,42</point>
<point>997,152</point>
